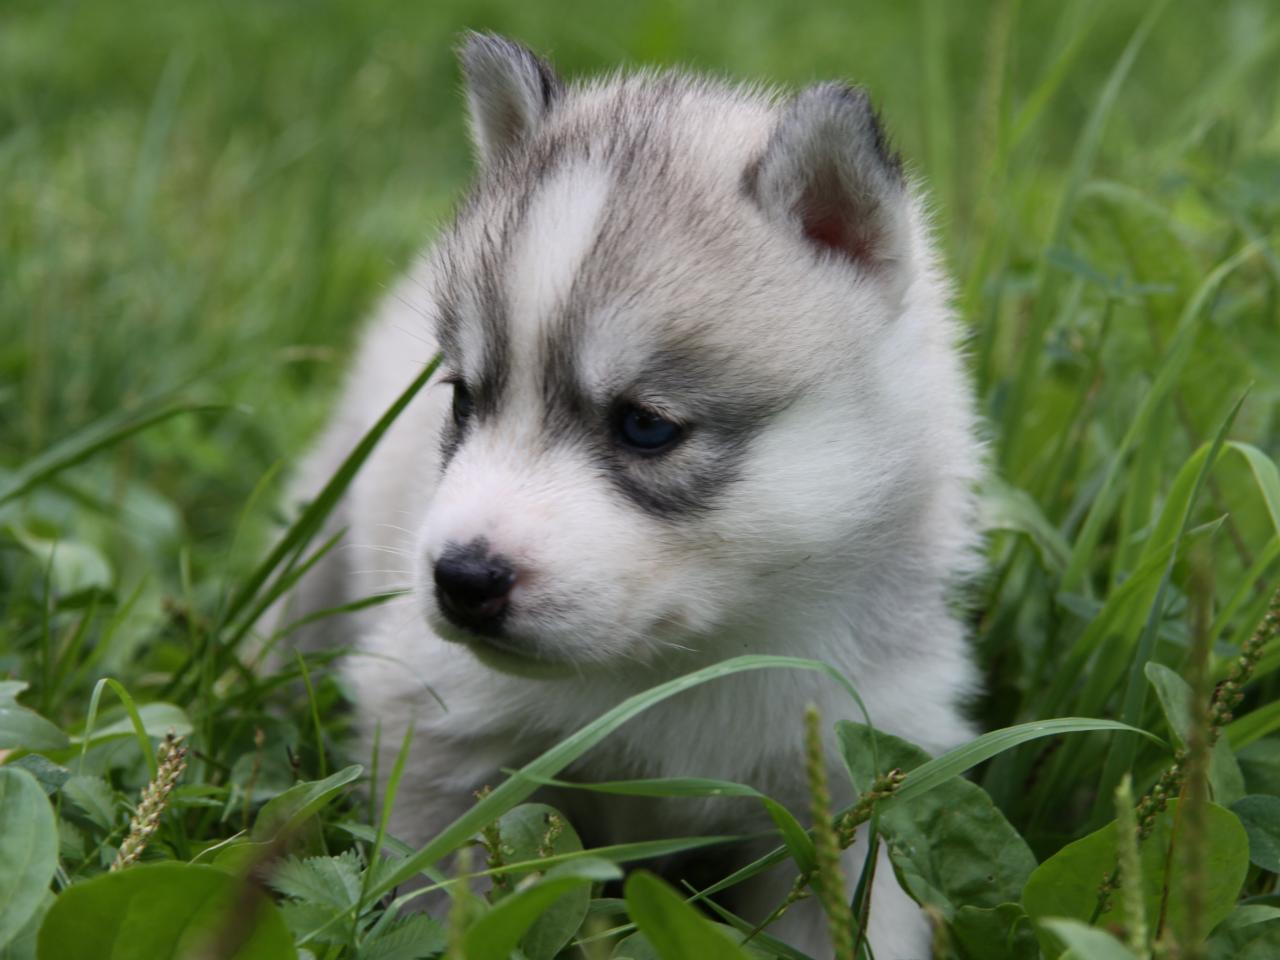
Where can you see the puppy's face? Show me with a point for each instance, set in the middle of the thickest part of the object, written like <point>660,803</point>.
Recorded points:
<point>663,421</point>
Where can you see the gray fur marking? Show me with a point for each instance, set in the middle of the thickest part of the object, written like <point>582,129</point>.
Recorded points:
<point>509,91</point>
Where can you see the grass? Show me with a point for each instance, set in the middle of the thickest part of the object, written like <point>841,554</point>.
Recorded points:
<point>200,201</point>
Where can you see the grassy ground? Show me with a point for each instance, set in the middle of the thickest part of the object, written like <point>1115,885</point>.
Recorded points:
<point>200,200</point>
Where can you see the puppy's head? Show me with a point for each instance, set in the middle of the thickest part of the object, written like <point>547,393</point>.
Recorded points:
<point>664,311</point>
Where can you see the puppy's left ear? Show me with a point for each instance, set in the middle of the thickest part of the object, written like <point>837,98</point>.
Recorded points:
<point>829,174</point>
<point>509,91</point>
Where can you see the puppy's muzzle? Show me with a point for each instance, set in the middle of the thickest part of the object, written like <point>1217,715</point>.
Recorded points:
<point>473,586</point>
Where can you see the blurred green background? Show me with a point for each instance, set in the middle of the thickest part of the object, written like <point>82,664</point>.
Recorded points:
<point>207,197</point>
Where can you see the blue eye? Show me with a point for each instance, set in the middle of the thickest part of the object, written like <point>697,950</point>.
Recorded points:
<point>646,431</point>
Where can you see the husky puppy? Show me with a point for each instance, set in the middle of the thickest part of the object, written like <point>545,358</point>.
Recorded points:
<point>701,396</point>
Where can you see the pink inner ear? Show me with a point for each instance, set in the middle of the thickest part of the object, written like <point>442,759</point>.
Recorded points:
<point>835,229</point>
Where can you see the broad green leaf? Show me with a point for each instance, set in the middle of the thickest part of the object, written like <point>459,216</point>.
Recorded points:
<point>23,729</point>
<point>1260,764</point>
<point>1265,946</point>
<point>22,946</point>
<point>1175,698</point>
<point>676,930</point>
<point>524,832</point>
<point>331,881</point>
<point>1066,885</point>
<point>1087,943</point>
<point>315,922</point>
<point>287,811</point>
<point>255,779</point>
<point>94,796</point>
<point>635,947</point>
<point>164,911</point>
<point>995,933</point>
<point>1246,925</point>
<point>939,770</point>
<point>236,855</point>
<point>1247,915</point>
<point>951,847</point>
<point>49,775</point>
<point>495,934</point>
<point>28,850</point>
<point>71,842</point>
<point>1226,779</point>
<point>1260,815</point>
<point>73,566</point>
<point>407,938</point>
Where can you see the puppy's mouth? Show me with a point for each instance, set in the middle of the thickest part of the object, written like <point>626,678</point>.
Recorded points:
<point>495,649</point>
<point>510,659</point>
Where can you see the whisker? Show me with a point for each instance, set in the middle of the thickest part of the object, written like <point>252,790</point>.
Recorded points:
<point>383,548</point>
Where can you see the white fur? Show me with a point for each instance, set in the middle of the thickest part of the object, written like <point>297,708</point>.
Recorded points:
<point>563,219</point>
<point>842,538</point>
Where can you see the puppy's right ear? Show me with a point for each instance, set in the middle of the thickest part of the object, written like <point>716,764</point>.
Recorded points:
<point>509,91</point>
<point>828,174</point>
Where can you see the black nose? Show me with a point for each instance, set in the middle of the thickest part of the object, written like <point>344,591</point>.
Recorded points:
<point>473,585</point>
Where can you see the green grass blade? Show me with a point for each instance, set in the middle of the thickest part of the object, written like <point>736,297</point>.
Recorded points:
<point>1082,161</point>
<point>1123,751</point>
<point>314,709</point>
<point>288,578</point>
<point>1247,587</point>
<point>637,851</point>
<point>365,603</point>
<point>516,789</point>
<point>759,939</point>
<point>1254,725</point>
<point>1267,476</point>
<point>955,762</point>
<point>82,445</point>
<point>315,513</point>
<point>794,835</point>
<point>139,729</point>
<point>1179,351</point>
<point>657,787</point>
<point>1122,606</point>
<point>388,804</point>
